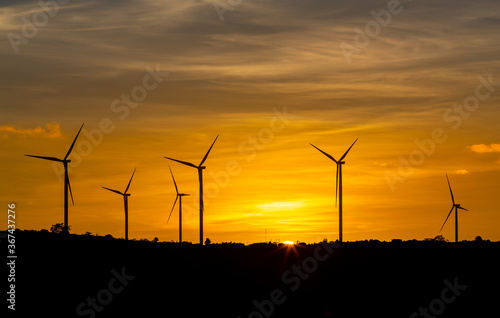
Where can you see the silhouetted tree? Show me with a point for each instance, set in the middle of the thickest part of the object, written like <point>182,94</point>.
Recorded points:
<point>207,241</point>
<point>478,239</point>
<point>108,236</point>
<point>58,228</point>
<point>439,238</point>
<point>88,233</point>
<point>156,240</point>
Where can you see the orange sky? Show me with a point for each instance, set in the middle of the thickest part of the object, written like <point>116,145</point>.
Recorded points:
<point>269,80</point>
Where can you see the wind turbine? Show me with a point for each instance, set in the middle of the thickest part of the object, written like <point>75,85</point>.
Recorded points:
<point>67,185</point>
<point>456,207</point>
<point>338,182</point>
<point>200,168</point>
<point>125,202</point>
<point>179,196</point>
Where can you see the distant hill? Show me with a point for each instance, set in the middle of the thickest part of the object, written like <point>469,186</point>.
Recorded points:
<point>87,276</point>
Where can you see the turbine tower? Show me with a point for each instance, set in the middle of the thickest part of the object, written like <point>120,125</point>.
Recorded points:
<point>338,182</point>
<point>179,196</point>
<point>456,207</point>
<point>125,203</point>
<point>200,168</point>
<point>67,185</point>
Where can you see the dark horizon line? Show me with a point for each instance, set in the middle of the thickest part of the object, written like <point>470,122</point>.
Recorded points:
<point>394,240</point>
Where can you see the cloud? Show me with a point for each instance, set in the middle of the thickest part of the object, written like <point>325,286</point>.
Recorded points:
<point>51,131</point>
<point>461,171</point>
<point>264,51</point>
<point>482,148</point>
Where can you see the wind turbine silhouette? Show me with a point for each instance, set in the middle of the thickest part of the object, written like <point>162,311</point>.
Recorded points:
<point>67,185</point>
<point>179,196</point>
<point>200,168</point>
<point>125,202</point>
<point>338,182</point>
<point>456,207</point>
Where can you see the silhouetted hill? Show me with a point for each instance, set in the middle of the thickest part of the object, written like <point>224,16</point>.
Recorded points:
<point>55,274</point>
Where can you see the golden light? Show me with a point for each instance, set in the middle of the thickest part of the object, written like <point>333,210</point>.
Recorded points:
<point>288,242</point>
<point>281,206</point>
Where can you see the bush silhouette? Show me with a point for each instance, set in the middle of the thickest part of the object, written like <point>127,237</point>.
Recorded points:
<point>58,228</point>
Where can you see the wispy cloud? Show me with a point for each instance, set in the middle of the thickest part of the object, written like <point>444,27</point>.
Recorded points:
<point>461,171</point>
<point>50,131</point>
<point>482,148</point>
<point>259,49</point>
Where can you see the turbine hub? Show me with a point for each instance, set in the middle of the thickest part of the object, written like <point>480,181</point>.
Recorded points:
<point>201,167</point>
<point>341,162</point>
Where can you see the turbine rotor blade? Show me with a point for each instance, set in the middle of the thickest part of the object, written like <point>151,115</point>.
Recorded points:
<point>70,192</point>
<point>345,154</point>
<point>206,155</point>
<point>173,206</point>
<point>451,192</point>
<point>71,148</point>
<point>175,184</point>
<point>325,153</point>
<point>463,208</point>
<point>128,185</point>
<point>183,162</point>
<point>115,191</point>
<point>46,158</point>
<point>447,218</point>
<point>337,185</point>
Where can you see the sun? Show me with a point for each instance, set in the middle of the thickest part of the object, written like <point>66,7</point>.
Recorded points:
<point>288,242</point>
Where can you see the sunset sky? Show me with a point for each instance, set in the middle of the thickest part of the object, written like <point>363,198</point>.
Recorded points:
<point>418,82</point>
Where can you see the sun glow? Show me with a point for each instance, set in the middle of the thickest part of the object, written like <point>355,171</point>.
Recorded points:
<point>288,242</point>
<point>281,206</point>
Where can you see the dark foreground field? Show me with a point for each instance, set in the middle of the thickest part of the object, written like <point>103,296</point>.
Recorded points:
<point>79,276</point>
